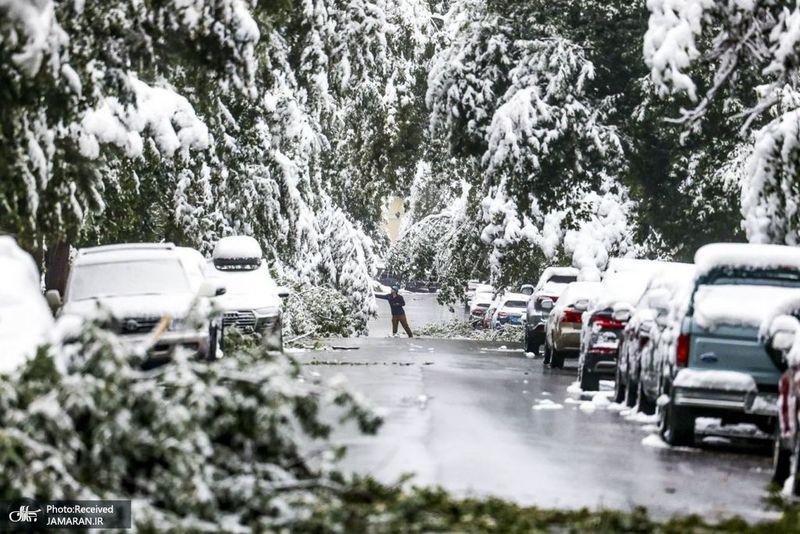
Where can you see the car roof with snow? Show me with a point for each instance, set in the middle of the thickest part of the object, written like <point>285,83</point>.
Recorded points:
<point>127,253</point>
<point>579,291</point>
<point>514,296</point>
<point>628,284</point>
<point>746,256</point>
<point>237,247</point>
<point>550,272</point>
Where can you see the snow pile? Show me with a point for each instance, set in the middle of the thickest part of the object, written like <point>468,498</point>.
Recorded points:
<point>25,318</point>
<point>237,247</point>
<point>778,324</point>
<point>546,404</point>
<point>36,32</point>
<point>745,305</point>
<point>718,380</point>
<point>578,291</point>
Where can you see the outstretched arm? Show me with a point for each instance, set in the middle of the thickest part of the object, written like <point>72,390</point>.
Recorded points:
<point>384,297</point>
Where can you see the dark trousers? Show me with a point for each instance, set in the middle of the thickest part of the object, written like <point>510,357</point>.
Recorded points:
<point>401,319</point>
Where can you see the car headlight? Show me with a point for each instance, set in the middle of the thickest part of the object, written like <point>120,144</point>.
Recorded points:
<point>177,324</point>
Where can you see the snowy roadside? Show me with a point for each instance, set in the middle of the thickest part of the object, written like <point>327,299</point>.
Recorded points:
<point>461,329</point>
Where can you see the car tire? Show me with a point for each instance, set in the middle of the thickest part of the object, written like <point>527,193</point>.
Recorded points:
<point>631,393</point>
<point>547,353</point>
<point>781,460</point>
<point>646,406</point>
<point>556,359</point>
<point>794,470</point>
<point>676,425</point>
<point>589,381</point>
<point>619,388</point>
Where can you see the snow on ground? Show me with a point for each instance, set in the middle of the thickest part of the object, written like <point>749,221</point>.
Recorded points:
<point>546,404</point>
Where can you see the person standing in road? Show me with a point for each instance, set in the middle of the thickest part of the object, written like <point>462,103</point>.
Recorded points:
<point>396,303</point>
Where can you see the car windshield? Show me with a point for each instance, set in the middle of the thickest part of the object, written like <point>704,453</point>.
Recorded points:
<point>123,279</point>
<point>516,304</point>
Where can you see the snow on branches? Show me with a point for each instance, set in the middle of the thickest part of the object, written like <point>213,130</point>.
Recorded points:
<point>749,51</point>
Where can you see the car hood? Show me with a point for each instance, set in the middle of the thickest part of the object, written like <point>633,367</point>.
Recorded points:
<point>176,305</point>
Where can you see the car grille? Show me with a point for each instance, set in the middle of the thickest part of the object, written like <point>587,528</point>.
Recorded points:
<point>243,320</point>
<point>138,325</point>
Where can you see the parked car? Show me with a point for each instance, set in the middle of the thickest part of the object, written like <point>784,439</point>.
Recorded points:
<point>479,303</point>
<point>642,332</point>
<point>563,329</point>
<point>551,284</point>
<point>601,330</point>
<point>422,286</point>
<point>25,319</point>
<point>252,302</point>
<point>713,363</point>
<point>782,343</point>
<point>140,285</point>
<point>510,311</point>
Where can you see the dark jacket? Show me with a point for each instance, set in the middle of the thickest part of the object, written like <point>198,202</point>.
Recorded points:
<point>395,302</point>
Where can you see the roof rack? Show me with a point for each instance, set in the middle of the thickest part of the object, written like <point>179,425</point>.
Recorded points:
<point>126,246</point>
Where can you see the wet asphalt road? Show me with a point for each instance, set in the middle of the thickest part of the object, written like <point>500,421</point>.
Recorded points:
<point>478,420</point>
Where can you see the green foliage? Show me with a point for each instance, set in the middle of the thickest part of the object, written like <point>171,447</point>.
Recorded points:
<point>318,311</point>
<point>196,445</point>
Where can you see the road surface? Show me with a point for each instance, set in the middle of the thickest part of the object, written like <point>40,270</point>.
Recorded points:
<point>481,420</point>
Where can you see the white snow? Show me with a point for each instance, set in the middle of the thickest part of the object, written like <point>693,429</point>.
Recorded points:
<point>25,317</point>
<point>746,305</point>
<point>712,379</point>
<point>237,247</point>
<point>753,256</point>
<point>546,404</point>
<point>654,441</point>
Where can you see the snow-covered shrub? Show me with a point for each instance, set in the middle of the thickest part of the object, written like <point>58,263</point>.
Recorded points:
<point>460,329</point>
<point>316,311</point>
<point>196,446</point>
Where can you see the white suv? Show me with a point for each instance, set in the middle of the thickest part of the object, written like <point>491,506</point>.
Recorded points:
<point>145,287</point>
<point>253,302</point>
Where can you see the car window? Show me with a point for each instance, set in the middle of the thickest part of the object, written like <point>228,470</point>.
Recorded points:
<point>562,279</point>
<point>121,279</point>
<point>516,304</point>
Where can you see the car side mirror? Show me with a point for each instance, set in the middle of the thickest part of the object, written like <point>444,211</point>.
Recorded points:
<point>546,304</point>
<point>581,305</point>
<point>53,298</point>
<point>209,289</point>
<point>283,292</point>
<point>781,333</point>
<point>621,315</point>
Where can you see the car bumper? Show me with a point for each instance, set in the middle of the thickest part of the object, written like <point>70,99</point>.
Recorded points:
<point>601,363</point>
<point>167,342</point>
<point>745,402</point>
<point>568,339</point>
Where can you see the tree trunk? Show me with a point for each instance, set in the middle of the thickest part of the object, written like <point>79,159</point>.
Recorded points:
<point>57,266</point>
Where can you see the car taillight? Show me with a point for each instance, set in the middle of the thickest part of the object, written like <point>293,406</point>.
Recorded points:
<point>682,350</point>
<point>603,322</point>
<point>571,316</point>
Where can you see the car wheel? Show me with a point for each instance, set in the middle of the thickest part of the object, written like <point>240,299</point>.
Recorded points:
<point>589,381</point>
<point>631,393</point>
<point>619,388</point>
<point>676,425</point>
<point>547,353</point>
<point>646,406</point>
<point>781,460</point>
<point>556,359</point>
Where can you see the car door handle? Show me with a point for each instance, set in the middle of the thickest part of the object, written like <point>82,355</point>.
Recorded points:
<point>709,357</point>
